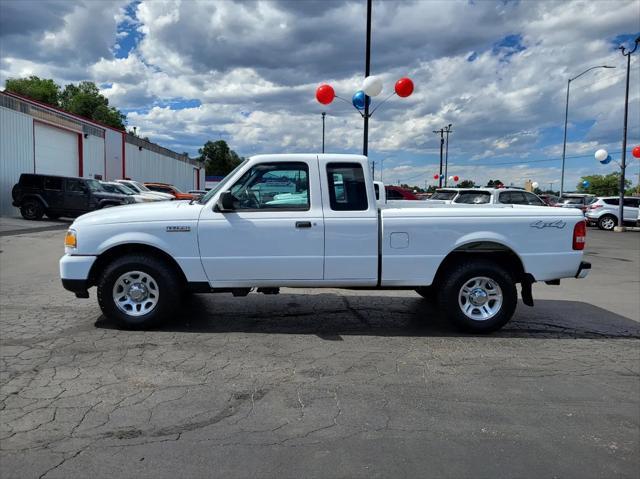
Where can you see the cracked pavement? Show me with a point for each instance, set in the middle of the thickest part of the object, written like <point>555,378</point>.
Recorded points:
<point>319,383</point>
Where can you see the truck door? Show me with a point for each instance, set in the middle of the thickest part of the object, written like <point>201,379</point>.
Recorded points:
<point>275,233</point>
<point>350,222</point>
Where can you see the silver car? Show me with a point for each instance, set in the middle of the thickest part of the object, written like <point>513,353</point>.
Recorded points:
<point>604,212</point>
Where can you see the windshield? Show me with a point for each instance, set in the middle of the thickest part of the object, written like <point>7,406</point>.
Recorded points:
<point>94,185</point>
<point>222,183</point>
<point>572,201</point>
<point>443,195</point>
<point>140,186</point>
<point>123,189</point>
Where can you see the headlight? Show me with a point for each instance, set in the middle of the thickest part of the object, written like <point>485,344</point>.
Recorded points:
<point>70,239</point>
<point>129,200</point>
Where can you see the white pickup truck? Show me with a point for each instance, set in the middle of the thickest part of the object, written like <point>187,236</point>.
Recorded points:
<point>312,221</point>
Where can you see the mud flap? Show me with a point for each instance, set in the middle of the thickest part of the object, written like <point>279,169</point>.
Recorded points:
<point>527,294</point>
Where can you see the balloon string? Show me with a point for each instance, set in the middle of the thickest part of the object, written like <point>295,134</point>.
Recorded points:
<point>347,101</point>
<point>381,103</point>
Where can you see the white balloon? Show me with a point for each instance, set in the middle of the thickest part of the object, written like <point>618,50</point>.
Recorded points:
<point>451,178</point>
<point>601,155</point>
<point>535,184</point>
<point>372,86</point>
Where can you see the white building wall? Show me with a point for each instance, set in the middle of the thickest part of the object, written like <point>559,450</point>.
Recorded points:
<point>145,165</point>
<point>113,153</point>
<point>16,154</point>
<point>93,157</point>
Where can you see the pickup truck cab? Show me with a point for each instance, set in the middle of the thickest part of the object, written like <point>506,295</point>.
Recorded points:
<point>327,233</point>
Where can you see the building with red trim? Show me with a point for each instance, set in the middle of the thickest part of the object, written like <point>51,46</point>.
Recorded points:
<point>39,138</point>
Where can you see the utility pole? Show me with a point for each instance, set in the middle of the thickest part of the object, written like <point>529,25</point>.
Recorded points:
<point>441,132</point>
<point>323,115</point>
<point>623,162</point>
<point>447,130</point>
<point>367,71</point>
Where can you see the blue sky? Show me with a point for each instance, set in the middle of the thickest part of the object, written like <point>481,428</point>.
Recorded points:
<point>246,72</point>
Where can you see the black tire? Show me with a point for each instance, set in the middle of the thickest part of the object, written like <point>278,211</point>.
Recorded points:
<point>32,209</point>
<point>52,216</point>
<point>607,222</point>
<point>461,274</point>
<point>167,287</point>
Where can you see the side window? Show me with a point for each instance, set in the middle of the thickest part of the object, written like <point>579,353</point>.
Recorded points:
<point>633,202</point>
<point>75,186</point>
<point>273,186</point>
<point>52,183</point>
<point>533,199</point>
<point>505,198</point>
<point>31,181</point>
<point>394,195</point>
<point>347,187</point>
<point>612,201</point>
<point>517,198</point>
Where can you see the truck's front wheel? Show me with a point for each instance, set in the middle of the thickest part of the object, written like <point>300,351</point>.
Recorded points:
<point>138,291</point>
<point>478,296</point>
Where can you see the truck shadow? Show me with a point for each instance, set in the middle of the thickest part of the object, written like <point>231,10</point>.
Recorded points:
<point>331,316</point>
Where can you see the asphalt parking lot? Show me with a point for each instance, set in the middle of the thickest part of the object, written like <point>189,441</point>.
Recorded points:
<point>315,383</point>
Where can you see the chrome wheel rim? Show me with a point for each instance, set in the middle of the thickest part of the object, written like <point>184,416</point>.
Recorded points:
<point>136,293</point>
<point>608,223</point>
<point>480,298</point>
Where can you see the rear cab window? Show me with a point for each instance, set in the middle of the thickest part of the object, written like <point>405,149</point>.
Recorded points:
<point>473,197</point>
<point>347,187</point>
<point>443,195</point>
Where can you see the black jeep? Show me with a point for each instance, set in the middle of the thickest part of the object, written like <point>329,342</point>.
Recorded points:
<point>58,196</point>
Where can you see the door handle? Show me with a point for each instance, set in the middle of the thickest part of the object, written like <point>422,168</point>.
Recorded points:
<point>303,224</point>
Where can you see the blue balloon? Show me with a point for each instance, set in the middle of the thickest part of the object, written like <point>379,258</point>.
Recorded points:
<point>442,177</point>
<point>586,184</point>
<point>359,98</point>
<point>607,160</point>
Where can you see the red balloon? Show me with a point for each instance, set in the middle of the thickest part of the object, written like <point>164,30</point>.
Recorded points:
<point>435,177</point>
<point>636,151</point>
<point>404,87</point>
<point>325,94</point>
<point>455,178</point>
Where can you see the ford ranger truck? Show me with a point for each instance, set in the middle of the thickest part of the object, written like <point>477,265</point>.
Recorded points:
<point>311,221</point>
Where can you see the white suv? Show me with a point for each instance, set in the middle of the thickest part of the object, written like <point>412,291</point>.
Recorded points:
<point>604,211</point>
<point>483,196</point>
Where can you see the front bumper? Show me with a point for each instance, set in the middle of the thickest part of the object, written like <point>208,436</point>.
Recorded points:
<point>583,270</point>
<point>74,272</point>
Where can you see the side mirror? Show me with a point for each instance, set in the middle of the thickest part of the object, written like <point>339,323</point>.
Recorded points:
<point>225,202</point>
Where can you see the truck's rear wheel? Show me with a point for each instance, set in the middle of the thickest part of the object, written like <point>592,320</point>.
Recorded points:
<point>138,291</point>
<point>478,296</point>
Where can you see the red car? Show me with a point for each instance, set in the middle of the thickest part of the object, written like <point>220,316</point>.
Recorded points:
<point>172,190</point>
<point>397,193</point>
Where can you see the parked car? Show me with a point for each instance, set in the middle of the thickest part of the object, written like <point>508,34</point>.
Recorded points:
<point>575,200</point>
<point>169,189</point>
<point>143,259</point>
<point>483,196</point>
<point>56,196</point>
<point>398,193</point>
<point>113,187</point>
<point>604,212</point>
<point>144,191</point>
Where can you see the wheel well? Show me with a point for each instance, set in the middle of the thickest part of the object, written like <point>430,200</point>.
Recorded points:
<point>489,250</point>
<point>117,251</point>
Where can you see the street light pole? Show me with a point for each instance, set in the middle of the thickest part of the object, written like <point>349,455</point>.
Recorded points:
<point>623,164</point>
<point>566,118</point>
<point>367,70</point>
<point>441,131</point>
<point>323,115</point>
<point>447,130</point>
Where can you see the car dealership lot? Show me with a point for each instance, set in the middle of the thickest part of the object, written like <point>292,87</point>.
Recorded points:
<point>320,383</point>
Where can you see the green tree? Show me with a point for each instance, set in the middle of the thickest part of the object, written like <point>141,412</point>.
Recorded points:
<point>494,183</point>
<point>466,184</point>
<point>40,89</point>
<point>218,158</point>
<point>602,185</point>
<point>85,100</point>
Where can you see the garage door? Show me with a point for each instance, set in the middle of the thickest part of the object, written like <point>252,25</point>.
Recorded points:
<point>56,151</point>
